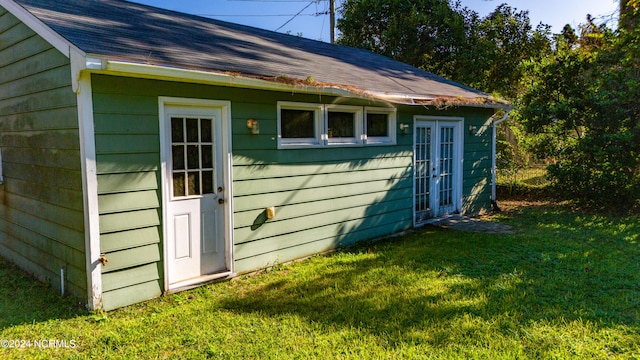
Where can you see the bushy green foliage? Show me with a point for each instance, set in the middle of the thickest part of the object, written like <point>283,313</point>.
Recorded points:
<point>448,40</point>
<point>582,102</point>
<point>575,93</point>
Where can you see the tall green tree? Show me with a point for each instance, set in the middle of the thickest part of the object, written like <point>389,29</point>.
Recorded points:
<point>447,39</point>
<point>423,33</point>
<point>582,106</point>
<point>629,14</point>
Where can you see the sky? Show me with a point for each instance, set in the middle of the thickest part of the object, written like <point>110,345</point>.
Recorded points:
<point>312,20</point>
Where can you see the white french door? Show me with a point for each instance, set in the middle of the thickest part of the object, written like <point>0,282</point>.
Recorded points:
<point>437,167</point>
<point>194,194</point>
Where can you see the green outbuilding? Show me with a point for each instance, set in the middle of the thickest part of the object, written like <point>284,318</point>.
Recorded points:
<point>146,151</point>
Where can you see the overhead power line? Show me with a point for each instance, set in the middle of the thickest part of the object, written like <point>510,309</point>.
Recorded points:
<point>296,15</point>
<point>261,15</point>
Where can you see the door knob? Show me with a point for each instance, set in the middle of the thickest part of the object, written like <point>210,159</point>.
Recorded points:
<point>220,189</point>
<point>220,201</point>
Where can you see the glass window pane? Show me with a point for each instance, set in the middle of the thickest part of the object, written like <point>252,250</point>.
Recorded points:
<point>177,154</point>
<point>193,183</point>
<point>192,130</point>
<point>178,184</point>
<point>341,125</point>
<point>377,125</point>
<point>207,156</point>
<point>207,182</point>
<point>297,123</point>
<point>177,131</point>
<point>206,130</point>
<point>193,157</point>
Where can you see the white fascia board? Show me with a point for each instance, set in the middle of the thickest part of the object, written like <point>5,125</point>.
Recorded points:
<point>415,99</point>
<point>56,40</point>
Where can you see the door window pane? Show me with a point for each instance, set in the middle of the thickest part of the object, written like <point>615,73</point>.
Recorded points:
<point>177,130</point>
<point>178,184</point>
<point>297,123</point>
<point>193,185</point>
<point>341,125</point>
<point>207,182</point>
<point>207,156</point>
<point>192,130</point>
<point>177,153</point>
<point>206,130</point>
<point>193,156</point>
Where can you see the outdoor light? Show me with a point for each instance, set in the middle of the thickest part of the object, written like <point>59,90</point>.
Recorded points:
<point>472,129</point>
<point>254,125</point>
<point>404,128</point>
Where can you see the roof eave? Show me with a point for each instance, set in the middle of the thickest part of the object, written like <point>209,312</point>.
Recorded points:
<point>124,67</point>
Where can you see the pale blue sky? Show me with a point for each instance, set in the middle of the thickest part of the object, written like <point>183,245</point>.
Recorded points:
<point>273,14</point>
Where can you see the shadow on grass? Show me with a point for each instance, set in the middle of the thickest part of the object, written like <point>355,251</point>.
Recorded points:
<point>25,300</point>
<point>560,267</point>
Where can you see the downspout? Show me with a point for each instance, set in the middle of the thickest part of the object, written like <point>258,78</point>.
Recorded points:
<point>494,138</point>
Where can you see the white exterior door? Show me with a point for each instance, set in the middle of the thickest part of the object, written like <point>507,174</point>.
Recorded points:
<point>194,192</point>
<point>437,167</point>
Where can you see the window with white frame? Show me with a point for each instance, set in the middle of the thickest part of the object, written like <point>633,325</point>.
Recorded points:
<point>299,124</point>
<point>344,124</point>
<point>380,125</point>
<point>313,125</point>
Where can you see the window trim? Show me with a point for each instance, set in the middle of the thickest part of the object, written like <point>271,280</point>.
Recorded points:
<point>290,143</point>
<point>321,124</point>
<point>391,123</point>
<point>357,112</point>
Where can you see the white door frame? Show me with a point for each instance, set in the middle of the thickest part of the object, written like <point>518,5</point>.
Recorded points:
<point>435,121</point>
<point>225,109</point>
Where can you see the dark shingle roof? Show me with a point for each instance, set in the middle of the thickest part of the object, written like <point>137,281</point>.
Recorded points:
<point>143,34</point>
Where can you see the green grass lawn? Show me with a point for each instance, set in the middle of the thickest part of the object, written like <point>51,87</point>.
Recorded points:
<point>565,285</point>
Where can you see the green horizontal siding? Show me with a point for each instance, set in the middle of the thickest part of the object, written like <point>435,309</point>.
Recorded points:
<point>41,212</point>
<point>131,295</point>
<point>476,186</point>
<point>129,198</point>
<point>127,182</point>
<point>292,210</point>
<point>130,258</point>
<point>122,240</point>
<point>122,279</point>
<point>324,197</point>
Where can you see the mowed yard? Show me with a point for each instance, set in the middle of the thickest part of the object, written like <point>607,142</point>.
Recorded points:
<point>566,284</point>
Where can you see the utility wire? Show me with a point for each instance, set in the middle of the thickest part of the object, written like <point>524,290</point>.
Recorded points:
<point>262,15</point>
<point>296,15</point>
<point>279,0</point>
